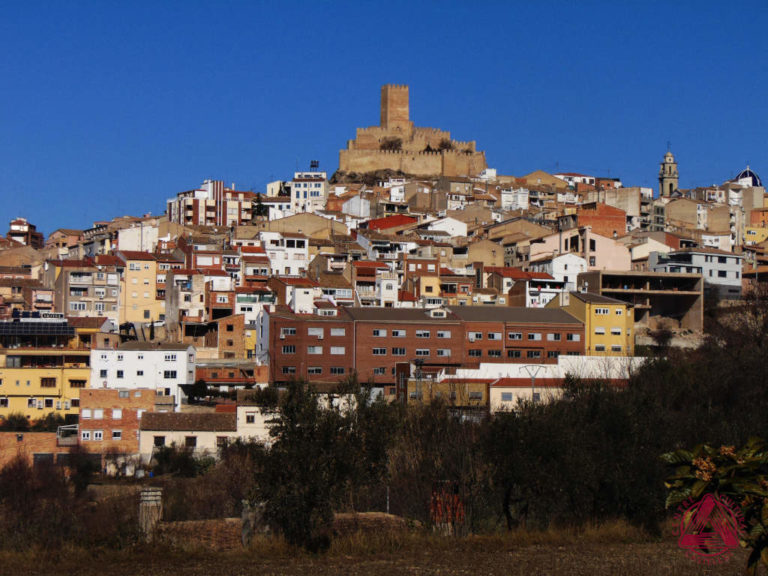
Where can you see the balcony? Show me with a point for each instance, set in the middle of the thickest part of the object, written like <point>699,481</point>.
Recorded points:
<point>67,435</point>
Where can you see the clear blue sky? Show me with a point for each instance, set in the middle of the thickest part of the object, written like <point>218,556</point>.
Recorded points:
<point>108,108</point>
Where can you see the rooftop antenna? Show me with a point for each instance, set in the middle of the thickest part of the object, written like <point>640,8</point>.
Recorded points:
<point>314,165</point>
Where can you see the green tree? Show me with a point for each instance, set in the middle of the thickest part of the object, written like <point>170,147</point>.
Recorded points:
<point>198,391</point>
<point>15,422</point>
<point>307,469</point>
<point>741,475</point>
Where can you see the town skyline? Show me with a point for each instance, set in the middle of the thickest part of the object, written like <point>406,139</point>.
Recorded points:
<point>117,111</point>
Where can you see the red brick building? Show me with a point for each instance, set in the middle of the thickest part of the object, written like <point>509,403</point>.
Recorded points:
<point>377,343</point>
<point>605,220</point>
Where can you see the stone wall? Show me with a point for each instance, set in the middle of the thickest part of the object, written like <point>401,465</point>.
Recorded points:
<point>447,163</point>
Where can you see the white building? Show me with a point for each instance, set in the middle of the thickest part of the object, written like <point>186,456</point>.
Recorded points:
<point>288,253</point>
<point>721,270</point>
<point>514,199</point>
<point>162,367</point>
<point>565,268</point>
<point>309,191</point>
<point>455,228</point>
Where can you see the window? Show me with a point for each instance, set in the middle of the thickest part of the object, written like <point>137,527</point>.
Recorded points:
<point>422,333</point>
<point>287,331</point>
<point>139,372</point>
<point>619,312</point>
<point>475,336</point>
<point>379,351</point>
<point>190,441</point>
<point>289,369</point>
<point>422,351</point>
<point>119,357</point>
<point>513,354</point>
<point>602,311</point>
<point>119,373</point>
<point>534,336</point>
<point>573,337</point>
<point>338,331</point>
<point>553,354</point>
<point>98,435</point>
<point>3,402</point>
<point>169,374</point>
<point>75,402</point>
<point>48,403</point>
<point>338,350</point>
<point>124,394</point>
<point>337,370</point>
<point>314,370</point>
<point>47,382</point>
<point>380,333</point>
<point>159,441</point>
<point>85,435</point>
<point>314,349</point>
<point>98,414</point>
<point>315,332</point>
<point>170,357</point>
<point>494,335</point>
<point>599,348</point>
<point>599,330</point>
<point>85,413</point>
<point>616,331</point>
<point>117,413</point>
<point>443,352</point>
<point>553,337</point>
<point>533,354</point>
<point>289,349</point>
<point>515,335</point>
<point>615,348</point>
<point>592,261</point>
<point>507,397</point>
<point>398,351</point>
<point>77,306</point>
<point>250,417</point>
<point>494,353</point>
<point>722,274</point>
<point>398,333</point>
<point>117,434</point>
<point>475,395</point>
<point>475,353</point>
<point>379,371</point>
<point>443,333</point>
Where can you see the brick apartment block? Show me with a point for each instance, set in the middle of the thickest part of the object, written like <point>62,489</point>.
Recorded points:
<point>378,342</point>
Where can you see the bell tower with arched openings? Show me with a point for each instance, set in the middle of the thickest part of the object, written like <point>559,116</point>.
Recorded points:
<point>668,176</point>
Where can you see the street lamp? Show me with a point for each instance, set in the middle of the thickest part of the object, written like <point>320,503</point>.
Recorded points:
<point>533,371</point>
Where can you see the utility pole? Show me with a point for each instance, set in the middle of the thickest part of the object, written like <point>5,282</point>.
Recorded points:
<point>533,371</point>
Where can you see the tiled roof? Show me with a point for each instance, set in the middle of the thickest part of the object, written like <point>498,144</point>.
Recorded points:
<point>135,255</point>
<point>181,422</point>
<point>513,314</point>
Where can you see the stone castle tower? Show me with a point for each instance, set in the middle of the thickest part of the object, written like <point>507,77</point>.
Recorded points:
<point>395,108</point>
<point>396,144</point>
<point>668,176</point>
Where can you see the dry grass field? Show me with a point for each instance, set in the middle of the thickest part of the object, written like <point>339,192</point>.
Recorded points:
<point>605,551</point>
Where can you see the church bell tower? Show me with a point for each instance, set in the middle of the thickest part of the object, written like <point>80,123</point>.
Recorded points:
<point>668,176</point>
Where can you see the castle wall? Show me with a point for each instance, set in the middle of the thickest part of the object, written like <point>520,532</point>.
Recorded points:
<point>448,163</point>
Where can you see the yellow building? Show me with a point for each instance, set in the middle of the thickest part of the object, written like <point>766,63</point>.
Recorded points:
<point>608,323</point>
<point>467,394</point>
<point>138,291</point>
<point>44,364</point>
<point>755,235</point>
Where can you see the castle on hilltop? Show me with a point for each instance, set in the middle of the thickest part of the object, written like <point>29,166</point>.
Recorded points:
<point>397,145</point>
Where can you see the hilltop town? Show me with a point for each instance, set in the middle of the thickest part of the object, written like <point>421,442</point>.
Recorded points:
<point>415,268</point>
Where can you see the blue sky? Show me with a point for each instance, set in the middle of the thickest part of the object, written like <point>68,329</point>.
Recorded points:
<point>109,108</point>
